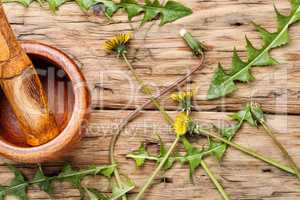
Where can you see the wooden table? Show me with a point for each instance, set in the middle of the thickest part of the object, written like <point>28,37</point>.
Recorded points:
<point>160,57</point>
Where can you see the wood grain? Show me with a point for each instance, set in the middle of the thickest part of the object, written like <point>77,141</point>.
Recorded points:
<point>160,59</point>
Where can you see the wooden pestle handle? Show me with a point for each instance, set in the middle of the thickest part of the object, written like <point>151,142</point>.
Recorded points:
<point>13,59</point>
<point>23,89</point>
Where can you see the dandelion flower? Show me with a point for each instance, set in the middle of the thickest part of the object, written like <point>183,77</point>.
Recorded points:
<point>181,96</point>
<point>118,43</point>
<point>181,124</point>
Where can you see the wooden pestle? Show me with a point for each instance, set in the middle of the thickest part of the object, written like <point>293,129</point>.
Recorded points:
<point>23,89</point>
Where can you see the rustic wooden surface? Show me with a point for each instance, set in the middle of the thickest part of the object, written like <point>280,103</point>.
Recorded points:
<point>160,57</point>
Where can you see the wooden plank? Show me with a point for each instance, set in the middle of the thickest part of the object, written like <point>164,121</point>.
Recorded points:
<point>160,58</point>
<point>163,57</point>
<point>243,176</point>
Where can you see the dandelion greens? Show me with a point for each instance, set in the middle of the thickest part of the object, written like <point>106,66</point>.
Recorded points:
<point>168,12</point>
<point>19,185</point>
<point>255,117</point>
<point>224,83</point>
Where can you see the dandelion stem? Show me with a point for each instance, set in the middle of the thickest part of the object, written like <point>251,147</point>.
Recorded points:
<point>167,118</point>
<point>137,111</point>
<point>248,151</point>
<point>111,20</point>
<point>170,121</point>
<point>214,180</point>
<point>269,131</point>
<point>157,170</point>
<point>119,181</point>
<point>148,91</point>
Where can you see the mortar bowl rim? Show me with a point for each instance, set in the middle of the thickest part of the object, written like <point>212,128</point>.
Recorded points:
<point>73,130</point>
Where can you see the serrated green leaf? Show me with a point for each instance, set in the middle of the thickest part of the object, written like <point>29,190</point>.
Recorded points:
<point>244,115</point>
<point>55,4</point>
<point>132,8</point>
<point>2,192</point>
<point>18,186</point>
<point>295,10</point>
<point>257,112</point>
<point>173,11</point>
<point>220,85</point>
<point>228,133</point>
<point>110,6</point>
<point>151,10</point>
<point>117,192</point>
<point>139,155</point>
<point>44,183</point>
<point>266,36</point>
<point>193,156</point>
<point>25,3</point>
<point>162,152</point>
<point>220,148</point>
<point>253,53</point>
<point>106,171</point>
<point>85,5</point>
<point>224,83</point>
<point>251,113</point>
<point>237,66</point>
<point>169,12</point>
<point>68,172</point>
<point>74,177</point>
<point>282,20</point>
<point>273,40</point>
<point>94,194</point>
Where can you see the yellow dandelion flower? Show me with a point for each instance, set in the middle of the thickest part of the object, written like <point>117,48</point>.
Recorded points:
<point>118,43</point>
<point>181,96</point>
<point>181,124</point>
<point>174,97</point>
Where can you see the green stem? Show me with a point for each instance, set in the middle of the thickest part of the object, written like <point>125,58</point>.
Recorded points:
<point>83,172</point>
<point>167,118</point>
<point>111,20</point>
<point>248,151</point>
<point>119,181</point>
<point>214,180</point>
<point>118,178</point>
<point>148,91</point>
<point>157,170</point>
<point>170,121</point>
<point>134,114</point>
<point>178,158</point>
<point>281,147</point>
<point>265,50</point>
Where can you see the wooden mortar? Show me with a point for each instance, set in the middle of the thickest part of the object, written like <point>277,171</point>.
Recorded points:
<point>22,87</point>
<point>53,124</point>
<point>71,120</point>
